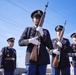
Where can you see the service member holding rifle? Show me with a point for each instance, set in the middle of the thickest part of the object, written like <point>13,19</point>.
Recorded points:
<point>60,59</point>
<point>36,39</point>
<point>73,54</point>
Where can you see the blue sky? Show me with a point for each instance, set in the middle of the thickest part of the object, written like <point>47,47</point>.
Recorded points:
<point>15,17</point>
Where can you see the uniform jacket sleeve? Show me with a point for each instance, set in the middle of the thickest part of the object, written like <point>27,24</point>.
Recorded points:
<point>23,41</point>
<point>66,47</point>
<point>72,51</point>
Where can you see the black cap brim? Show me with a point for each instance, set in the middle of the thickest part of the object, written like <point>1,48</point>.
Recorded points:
<point>10,39</point>
<point>37,13</point>
<point>59,28</point>
<point>73,35</point>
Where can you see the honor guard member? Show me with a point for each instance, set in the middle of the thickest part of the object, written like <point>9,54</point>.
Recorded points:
<point>8,58</point>
<point>73,45</point>
<point>64,63</point>
<point>28,39</point>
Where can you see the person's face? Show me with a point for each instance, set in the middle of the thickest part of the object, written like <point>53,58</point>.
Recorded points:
<point>74,39</point>
<point>11,44</point>
<point>36,20</point>
<point>58,33</point>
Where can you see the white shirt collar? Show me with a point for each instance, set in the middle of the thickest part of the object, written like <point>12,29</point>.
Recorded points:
<point>35,26</point>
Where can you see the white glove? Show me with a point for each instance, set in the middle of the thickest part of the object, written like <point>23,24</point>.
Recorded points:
<point>40,30</point>
<point>55,51</point>
<point>2,70</point>
<point>34,41</point>
<point>51,51</point>
<point>73,54</point>
<point>59,44</point>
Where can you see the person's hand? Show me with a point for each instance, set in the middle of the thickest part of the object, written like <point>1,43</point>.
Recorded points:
<point>51,51</point>
<point>34,41</point>
<point>55,51</point>
<point>40,30</point>
<point>59,44</point>
<point>73,54</point>
<point>2,70</point>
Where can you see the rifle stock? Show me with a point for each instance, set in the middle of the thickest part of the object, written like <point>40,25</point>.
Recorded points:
<point>55,61</point>
<point>33,55</point>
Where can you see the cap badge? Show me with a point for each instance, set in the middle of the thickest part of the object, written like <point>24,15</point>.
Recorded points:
<point>39,12</point>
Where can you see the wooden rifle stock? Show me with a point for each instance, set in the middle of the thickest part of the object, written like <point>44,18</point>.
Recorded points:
<point>33,55</point>
<point>57,57</point>
<point>35,50</point>
<point>55,61</point>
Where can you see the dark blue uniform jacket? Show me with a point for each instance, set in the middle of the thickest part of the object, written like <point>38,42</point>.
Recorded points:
<point>8,59</point>
<point>45,40</point>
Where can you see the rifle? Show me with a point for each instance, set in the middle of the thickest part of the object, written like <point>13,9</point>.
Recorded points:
<point>57,57</point>
<point>35,50</point>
